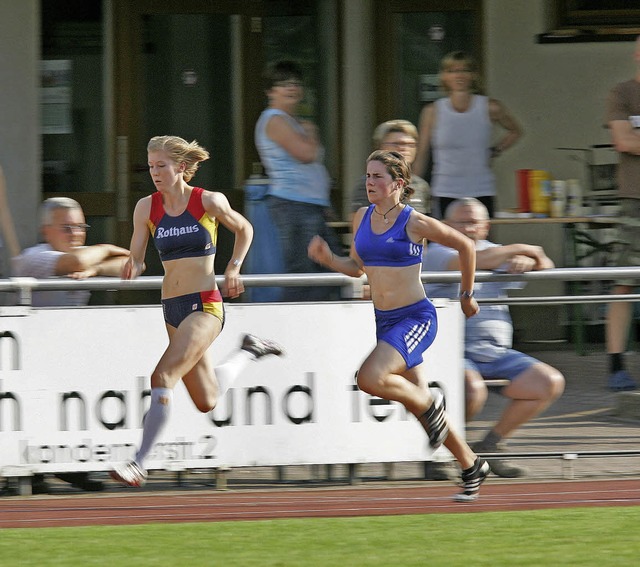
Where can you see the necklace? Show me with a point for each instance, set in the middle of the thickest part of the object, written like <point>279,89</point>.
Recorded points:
<point>384,216</point>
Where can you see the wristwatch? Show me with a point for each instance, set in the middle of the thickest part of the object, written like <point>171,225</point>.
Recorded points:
<point>466,294</point>
<point>237,263</point>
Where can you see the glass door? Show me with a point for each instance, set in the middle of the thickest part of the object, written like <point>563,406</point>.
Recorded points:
<point>73,110</point>
<point>177,73</point>
<point>193,68</point>
<point>414,36</point>
<point>187,82</point>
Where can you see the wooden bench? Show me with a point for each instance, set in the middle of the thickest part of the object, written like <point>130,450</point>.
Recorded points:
<point>495,383</point>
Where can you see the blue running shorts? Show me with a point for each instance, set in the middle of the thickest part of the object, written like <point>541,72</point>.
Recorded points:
<point>410,329</point>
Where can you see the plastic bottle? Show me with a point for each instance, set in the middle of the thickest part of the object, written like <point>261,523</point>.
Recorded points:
<point>540,192</point>
<point>558,198</point>
<point>574,198</point>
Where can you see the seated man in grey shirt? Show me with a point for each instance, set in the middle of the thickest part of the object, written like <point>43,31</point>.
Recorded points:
<point>534,385</point>
<point>63,254</point>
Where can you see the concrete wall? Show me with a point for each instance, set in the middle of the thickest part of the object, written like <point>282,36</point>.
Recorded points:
<point>358,80</point>
<point>20,114</point>
<point>557,91</point>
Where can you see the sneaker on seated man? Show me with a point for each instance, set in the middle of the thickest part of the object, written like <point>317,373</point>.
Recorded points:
<point>439,470</point>
<point>533,385</point>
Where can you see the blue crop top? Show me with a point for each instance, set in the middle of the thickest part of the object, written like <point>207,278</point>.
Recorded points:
<point>189,235</point>
<point>391,248</point>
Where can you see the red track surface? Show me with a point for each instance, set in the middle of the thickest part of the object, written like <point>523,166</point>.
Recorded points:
<point>154,507</point>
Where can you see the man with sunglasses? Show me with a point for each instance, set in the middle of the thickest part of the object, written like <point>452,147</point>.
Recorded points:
<point>63,254</point>
<point>533,385</point>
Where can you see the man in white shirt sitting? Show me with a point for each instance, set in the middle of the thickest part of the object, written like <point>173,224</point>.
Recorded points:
<point>534,385</point>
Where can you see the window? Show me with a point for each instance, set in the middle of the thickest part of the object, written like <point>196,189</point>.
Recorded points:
<point>596,13</point>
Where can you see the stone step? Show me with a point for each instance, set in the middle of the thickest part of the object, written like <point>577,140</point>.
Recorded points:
<point>628,405</point>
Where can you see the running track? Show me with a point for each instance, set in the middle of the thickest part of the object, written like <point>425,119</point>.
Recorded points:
<point>140,507</point>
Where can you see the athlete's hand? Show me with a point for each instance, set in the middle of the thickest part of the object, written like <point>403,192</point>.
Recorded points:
<point>132,269</point>
<point>319,251</point>
<point>469,306</point>
<point>232,286</point>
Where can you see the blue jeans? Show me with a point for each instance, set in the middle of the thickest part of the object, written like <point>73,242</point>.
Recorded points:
<point>297,223</point>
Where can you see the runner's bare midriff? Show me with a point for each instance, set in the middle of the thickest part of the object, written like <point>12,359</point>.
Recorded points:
<point>393,287</point>
<point>188,275</point>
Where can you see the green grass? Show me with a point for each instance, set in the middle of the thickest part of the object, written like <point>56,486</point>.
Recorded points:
<point>543,538</point>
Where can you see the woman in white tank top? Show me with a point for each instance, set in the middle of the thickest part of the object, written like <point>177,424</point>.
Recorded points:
<point>458,131</point>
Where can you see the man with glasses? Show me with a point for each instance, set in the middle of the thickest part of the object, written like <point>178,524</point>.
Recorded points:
<point>63,254</point>
<point>533,385</point>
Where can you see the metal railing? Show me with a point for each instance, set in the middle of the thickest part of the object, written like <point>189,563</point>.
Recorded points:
<point>24,287</point>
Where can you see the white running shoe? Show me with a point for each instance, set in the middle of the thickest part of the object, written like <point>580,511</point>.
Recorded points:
<point>130,474</point>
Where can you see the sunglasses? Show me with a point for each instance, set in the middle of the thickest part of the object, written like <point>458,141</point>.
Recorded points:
<point>71,228</point>
<point>400,144</point>
<point>291,83</point>
<point>470,222</point>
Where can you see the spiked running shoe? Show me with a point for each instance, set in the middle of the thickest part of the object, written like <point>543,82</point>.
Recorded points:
<point>260,347</point>
<point>130,474</point>
<point>471,481</point>
<point>434,421</point>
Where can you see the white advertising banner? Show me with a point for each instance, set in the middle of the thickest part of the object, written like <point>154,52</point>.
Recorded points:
<point>74,388</point>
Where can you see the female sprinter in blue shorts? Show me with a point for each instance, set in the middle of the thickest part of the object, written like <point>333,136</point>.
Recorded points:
<point>388,247</point>
<point>183,221</point>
